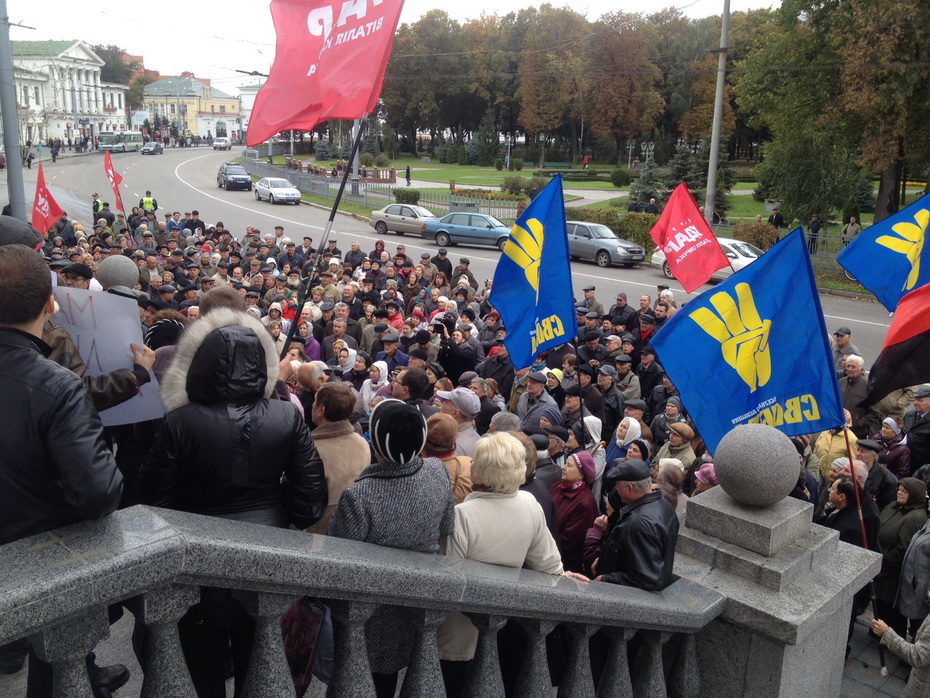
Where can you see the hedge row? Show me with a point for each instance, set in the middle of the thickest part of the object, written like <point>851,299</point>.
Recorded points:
<point>634,227</point>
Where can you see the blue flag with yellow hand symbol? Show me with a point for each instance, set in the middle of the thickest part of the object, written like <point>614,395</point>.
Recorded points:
<point>532,287</point>
<point>890,258</point>
<point>754,350</point>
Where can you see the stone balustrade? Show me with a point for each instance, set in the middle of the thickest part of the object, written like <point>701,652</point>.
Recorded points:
<point>55,588</point>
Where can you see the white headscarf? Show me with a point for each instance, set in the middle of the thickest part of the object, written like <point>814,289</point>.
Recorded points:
<point>633,431</point>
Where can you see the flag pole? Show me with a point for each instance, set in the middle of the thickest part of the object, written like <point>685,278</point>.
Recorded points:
<point>315,256</point>
<point>865,541</point>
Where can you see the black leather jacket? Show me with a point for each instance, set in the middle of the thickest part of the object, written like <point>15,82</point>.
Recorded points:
<point>640,548</point>
<point>224,452</point>
<point>55,469</point>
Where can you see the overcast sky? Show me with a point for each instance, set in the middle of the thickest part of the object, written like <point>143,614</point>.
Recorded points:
<point>213,40</point>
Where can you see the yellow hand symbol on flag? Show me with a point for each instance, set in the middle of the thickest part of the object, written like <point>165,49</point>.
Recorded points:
<point>911,243</point>
<point>525,249</point>
<point>742,333</point>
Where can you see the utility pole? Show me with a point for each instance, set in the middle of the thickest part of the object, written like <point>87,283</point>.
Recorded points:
<point>710,200</point>
<point>14,164</point>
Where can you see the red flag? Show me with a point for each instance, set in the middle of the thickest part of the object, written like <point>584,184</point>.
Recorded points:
<point>45,210</point>
<point>690,246</point>
<point>329,63</point>
<point>115,180</point>
<point>905,356</point>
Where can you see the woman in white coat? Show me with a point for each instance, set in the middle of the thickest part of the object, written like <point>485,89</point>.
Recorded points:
<point>498,524</point>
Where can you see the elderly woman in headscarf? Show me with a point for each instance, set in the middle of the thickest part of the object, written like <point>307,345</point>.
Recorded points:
<point>378,377</point>
<point>357,376</point>
<point>497,524</point>
<point>893,441</point>
<point>596,448</point>
<point>627,430</point>
<point>575,507</point>
<point>402,501</point>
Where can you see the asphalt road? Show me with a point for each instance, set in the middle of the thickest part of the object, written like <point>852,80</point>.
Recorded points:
<point>184,179</point>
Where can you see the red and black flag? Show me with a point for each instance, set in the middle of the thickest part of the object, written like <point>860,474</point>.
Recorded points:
<point>905,356</point>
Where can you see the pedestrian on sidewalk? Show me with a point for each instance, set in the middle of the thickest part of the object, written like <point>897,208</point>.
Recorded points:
<point>408,175</point>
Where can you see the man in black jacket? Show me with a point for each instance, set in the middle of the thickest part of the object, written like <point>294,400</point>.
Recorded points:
<point>640,548</point>
<point>57,469</point>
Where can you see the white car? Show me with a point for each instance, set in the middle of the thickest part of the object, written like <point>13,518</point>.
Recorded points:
<point>276,190</point>
<point>741,254</point>
<point>222,143</point>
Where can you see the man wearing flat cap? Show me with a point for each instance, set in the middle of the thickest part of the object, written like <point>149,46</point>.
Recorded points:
<point>917,427</point>
<point>534,400</point>
<point>842,348</point>
<point>590,302</point>
<point>640,548</point>
<point>880,483</point>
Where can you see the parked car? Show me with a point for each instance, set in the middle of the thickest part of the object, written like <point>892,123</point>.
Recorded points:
<point>598,243</point>
<point>741,254</point>
<point>466,228</point>
<point>222,143</point>
<point>153,147</point>
<point>232,175</point>
<point>276,189</point>
<point>400,218</point>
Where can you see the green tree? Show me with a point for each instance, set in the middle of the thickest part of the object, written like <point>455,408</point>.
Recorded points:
<point>135,96</point>
<point>726,176</point>
<point>547,87</point>
<point>648,186</point>
<point>117,66</point>
<point>625,101</point>
<point>488,140</point>
<point>391,142</point>
<point>698,120</point>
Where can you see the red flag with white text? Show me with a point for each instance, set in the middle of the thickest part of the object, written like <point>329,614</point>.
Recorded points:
<point>45,210</point>
<point>329,63</point>
<point>115,179</point>
<point>690,246</point>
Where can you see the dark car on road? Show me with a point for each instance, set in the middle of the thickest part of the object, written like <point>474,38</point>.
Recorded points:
<point>152,148</point>
<point>232,175</point>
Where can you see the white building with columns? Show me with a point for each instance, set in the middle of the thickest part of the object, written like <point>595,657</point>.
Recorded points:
<point>59,93</point>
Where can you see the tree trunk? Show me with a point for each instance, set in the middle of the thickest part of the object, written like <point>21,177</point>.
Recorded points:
<point>889,200</point>
<point>542,153</point>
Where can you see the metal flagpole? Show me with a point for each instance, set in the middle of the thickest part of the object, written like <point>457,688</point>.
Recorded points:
<point>315,257</point>
<point>865,542</point>
<point>711,195</point>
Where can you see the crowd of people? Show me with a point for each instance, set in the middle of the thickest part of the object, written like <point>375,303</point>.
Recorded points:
<point>370,395</point>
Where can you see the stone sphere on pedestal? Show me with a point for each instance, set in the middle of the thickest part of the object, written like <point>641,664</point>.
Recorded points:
<point>756,465</point>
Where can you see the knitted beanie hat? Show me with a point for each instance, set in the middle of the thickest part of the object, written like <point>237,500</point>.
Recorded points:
<point>398,431</point>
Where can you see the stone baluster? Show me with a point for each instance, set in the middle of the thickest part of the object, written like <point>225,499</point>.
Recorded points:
<point>615,681</point>
<point>65,646</point>
<point>650,677</point>
<point>685,678</point>
<point>424,676</point>
<point>166,672</point>
<point>578,682</point>
<point>268,674</point>
<point>535,679</point>
<point>485,680</point>
<point>351,672</point>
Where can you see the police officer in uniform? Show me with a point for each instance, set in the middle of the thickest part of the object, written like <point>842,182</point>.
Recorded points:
<point>148,202</point>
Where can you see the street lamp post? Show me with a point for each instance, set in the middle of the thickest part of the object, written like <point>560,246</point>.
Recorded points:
<point>647,149</point>
<point>630,146</point>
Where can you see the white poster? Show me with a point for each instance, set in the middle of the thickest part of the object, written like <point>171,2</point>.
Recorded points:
<point>103,326</point>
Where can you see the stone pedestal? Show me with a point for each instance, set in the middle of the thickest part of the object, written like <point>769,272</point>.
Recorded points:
<point>789,585</point>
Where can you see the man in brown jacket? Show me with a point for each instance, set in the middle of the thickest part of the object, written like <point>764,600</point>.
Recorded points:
<point>345,454</point>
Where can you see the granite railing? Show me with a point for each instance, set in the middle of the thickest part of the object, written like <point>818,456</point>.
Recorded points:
<point>55,589</point>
